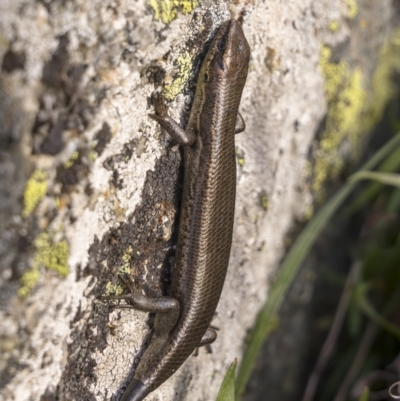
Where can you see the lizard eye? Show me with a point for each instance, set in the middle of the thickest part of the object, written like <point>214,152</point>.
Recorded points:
<point>221,45</point>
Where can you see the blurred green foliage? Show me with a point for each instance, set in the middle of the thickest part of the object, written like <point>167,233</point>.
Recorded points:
<point>287,271</point>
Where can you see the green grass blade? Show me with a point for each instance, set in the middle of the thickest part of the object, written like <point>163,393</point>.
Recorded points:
<point>390,164</point>
<point>369,310</point>
<point>383,178</point>
<point>291,264</point>
<point>227,389</point>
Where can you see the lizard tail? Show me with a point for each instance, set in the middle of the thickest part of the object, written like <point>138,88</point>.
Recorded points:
<point>136,391</point>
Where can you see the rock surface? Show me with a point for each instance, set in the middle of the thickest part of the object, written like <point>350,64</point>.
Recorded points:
<point>91,186</point>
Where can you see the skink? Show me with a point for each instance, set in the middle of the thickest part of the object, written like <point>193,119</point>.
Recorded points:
<point>206,218</point>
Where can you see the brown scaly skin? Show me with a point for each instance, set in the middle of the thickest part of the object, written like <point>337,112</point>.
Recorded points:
<point>206,220</point>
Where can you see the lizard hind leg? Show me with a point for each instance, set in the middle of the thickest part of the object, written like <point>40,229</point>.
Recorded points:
<point>240,124</point>
<point>208,338</point>
<point>166,308</point>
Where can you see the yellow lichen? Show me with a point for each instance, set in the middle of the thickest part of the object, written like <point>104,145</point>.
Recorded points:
<point>185,62</point>
<point>382,84</point>
<point>240,157</point>
<point>92,155</point>
<point>346,99</point>
<point>70,162</point>
<point>351,8</point>
<point>264,201</point>
<point>167,10</point>
<point>333,73</point>
<point>125,269</point>
<point>353,107</point>
<point>28,281</point>
<point>35,190</point>
<point>49,255</point>
<point>126,261</point>
<point>334,26</point>
<point>344,112</point>
<point>113,289</point>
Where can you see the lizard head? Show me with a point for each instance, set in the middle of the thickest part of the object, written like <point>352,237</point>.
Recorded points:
<point>229,52</point>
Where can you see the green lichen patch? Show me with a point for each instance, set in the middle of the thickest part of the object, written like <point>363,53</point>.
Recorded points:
<point>113,289</point>
<point>240,157</point>
<point>126,261</point>
<point>354,107</point>
<point>28,281</point>
<point>351,9</point>
<point>344,89</point>
<point>70,162</point>
<point>92,156</point>
<point>35,190</point>
<point>117,288</point>
<point>382,84</point>
<point>264,200</point>
<point>167,10</point>
<point>49,255</point>
<point>333,26</point>
<point>185,63</point>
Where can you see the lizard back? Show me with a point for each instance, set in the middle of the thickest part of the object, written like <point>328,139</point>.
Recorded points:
<point>208,204</point>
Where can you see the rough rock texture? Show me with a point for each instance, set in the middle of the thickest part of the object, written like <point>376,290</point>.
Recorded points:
<point>90,186</point>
